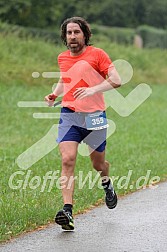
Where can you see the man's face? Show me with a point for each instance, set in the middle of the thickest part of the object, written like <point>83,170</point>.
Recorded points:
<point>75,38</point>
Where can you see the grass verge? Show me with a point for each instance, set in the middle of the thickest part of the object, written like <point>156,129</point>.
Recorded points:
<point>136,149</point>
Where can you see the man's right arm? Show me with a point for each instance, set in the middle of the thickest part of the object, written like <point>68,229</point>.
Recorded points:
<point>50,98</point>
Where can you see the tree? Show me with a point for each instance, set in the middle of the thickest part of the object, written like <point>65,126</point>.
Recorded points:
<point>51,13</point>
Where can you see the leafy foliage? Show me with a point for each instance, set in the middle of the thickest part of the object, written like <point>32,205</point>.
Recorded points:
<point>152,37</point>
<point>44,13</point>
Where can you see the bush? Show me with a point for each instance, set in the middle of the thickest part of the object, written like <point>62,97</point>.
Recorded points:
<point>29,32</point>
<point>152,37</point>
<point>115,34</point>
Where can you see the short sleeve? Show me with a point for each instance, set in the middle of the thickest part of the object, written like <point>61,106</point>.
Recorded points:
<point>104,62</point>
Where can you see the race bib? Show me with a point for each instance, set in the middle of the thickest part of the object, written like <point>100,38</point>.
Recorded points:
<point>96,121</point>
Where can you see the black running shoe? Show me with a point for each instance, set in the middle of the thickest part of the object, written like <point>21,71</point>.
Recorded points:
<point>65,219</point>
<point>111,198</point>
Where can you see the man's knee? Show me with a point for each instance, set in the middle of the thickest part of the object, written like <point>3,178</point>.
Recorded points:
<point>68,160</point>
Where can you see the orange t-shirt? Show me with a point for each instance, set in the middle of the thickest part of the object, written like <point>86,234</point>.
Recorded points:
<point>85,70</point>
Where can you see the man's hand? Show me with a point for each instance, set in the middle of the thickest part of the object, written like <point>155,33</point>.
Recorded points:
<point>83,92</point>
<point>50,98</point>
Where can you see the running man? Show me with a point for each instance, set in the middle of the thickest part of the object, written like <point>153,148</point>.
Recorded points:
<point>86,72</point>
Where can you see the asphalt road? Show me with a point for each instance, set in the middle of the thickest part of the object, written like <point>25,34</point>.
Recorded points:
<point>138,223</point>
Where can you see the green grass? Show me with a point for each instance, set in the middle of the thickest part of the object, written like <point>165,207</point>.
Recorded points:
<point>139,143</point>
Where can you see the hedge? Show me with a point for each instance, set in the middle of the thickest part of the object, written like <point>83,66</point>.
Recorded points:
<point>152,37</point>
<point>29,32</point>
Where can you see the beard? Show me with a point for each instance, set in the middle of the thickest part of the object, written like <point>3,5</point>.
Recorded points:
<point>75,46</point>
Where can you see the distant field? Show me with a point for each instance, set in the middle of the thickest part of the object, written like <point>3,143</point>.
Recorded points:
<point>137,148</point>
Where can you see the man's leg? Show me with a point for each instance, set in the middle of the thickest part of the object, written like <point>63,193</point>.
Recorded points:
<point>101,165</point>
<point>68,150</point>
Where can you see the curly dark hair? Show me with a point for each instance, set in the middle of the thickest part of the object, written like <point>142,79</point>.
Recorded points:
<point>83,25</point>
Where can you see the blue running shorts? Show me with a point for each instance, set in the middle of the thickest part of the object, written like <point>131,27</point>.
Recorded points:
<point>72,127</point>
